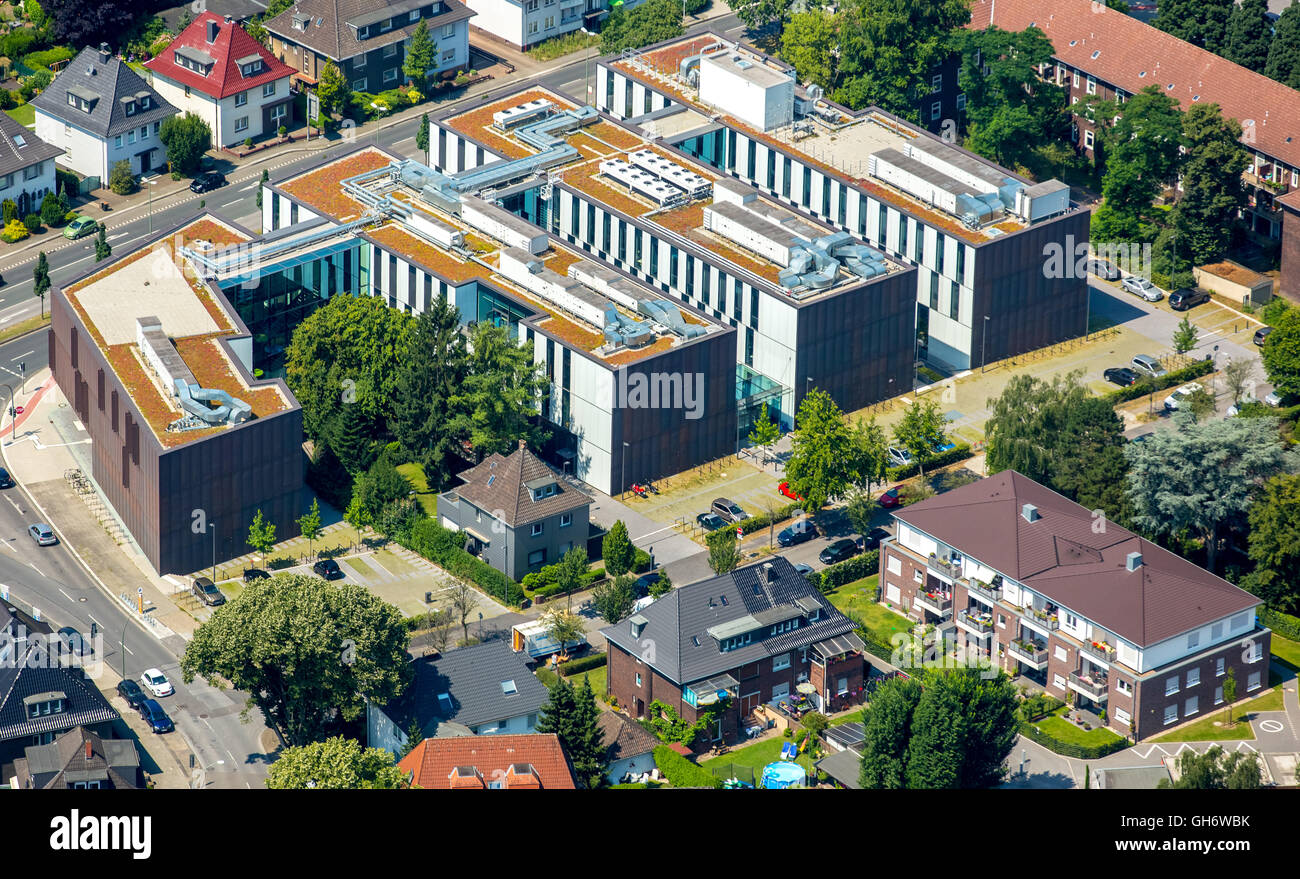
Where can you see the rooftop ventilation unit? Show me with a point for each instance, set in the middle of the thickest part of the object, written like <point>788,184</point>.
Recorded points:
<point>1030,512</point>
<point>518,115</point>
<point>1133,561</point>
<point>694,185</point>
<point>641,182</point>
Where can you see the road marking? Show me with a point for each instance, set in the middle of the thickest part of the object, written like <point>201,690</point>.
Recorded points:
<point>34,568</point>
<point>252,185</point>
<point>22,355</point>
<point>1271,726</point>
<point>129,651</point>
<point>9,546</point>
<point>66,595</point>
<point>14,505</point>
<point>117,236</point>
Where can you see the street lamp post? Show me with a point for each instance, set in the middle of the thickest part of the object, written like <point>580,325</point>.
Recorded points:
<point>212,529</point>
<point>622,475</point>
<point>984,338</point>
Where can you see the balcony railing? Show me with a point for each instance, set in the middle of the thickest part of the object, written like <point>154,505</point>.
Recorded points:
<point>1101,650</point>
<point>1094,688</point>
<point>933,602</point>
<point>1029,652</point>
<point>972,621</point>
<point>1043,618</point>
<point>992,593</point>
<point>948,569</point>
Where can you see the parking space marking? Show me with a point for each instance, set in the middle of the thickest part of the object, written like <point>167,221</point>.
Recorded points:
<point>1272,726</point>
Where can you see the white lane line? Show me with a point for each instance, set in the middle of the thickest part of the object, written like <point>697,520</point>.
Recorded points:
<point>117,236</point>
<point>9,546</point>
<point>252,185</point>
<point>129,651</point>
<point>14,505</point>
<point>95,621</point>
<point>21,356</point>
<point>36,569</point>
<point>66,595</point>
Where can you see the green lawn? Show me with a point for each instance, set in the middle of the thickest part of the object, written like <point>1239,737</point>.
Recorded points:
<point>414,474</point>
<point>26,114</point>
<point>1204,730</point>
<point>595,675</point>
<point>1270,701</point>
<point>859,598</point>
<point>851,717</point>
<point>1286,650</point>
<point>757,756</point>
<point>1062,730</point>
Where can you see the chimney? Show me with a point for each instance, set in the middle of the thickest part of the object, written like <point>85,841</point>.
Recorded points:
<point>214,28</point>
<point>1030,512</point>
<point>523,444</point>
<point>769,575</point>
<point>89,750</point>
<point>1133,561</point>
<point>230,19</point>
<point>104,54</point>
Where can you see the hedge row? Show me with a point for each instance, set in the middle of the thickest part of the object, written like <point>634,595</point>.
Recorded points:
<point>1069,749</point>
<point>959,452</point>
<point>757,523</point>
<point>682,772</point>
<point>585,663</point>
<point>543,583</point>
<point>1282,623</point>
<point>1177,377</point>
<point>546,676</point>
<point>850,570</point>
<point>446,549</point>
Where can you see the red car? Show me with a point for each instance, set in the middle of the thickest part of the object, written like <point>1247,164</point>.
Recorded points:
<point>789,492</point>
<point>890,498</point>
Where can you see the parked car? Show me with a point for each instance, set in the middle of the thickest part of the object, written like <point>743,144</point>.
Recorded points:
<point>43,534</point>
<point>890,498</point>
<point>80,228</point>
<point>789,492</point>
<point>207,592</point>
<point>1273,398</point>
<point>156,682</point>
<point>251,574</point>
<point>871,540</point>
<point>1148,365</point>
<point>800,531</point>
<point>844,548</point>
<point>1142,287</point>
<point>328,569</point>
<point>207,181</point>
<point>1103,269</point>
<point>1261,335</point>
<point>1120,375</point>
<point>1181,395</point>
<point>6,481</point>
<point>153,715</point>
<point>1181,300</point>
<point>899,457</point>
<point>729,510</point>
<point>709,521</point>
<point>131,692</point>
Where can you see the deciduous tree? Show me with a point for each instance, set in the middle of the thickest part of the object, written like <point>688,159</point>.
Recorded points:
<point>921,430</point>
<point>309,525</point>
<point>822,457</point>
<point>1274,542</point>
<point>335,764</point>
<point>1211,180</point>
<point>186,138</point>
<point>887,722</point>
<point>617,549</point>
<point>724,550</point>
<point>261,535</point>
<point>41,279</point>
<point>1250,33</point>
<point>1281,354</point>
<point>500,395</point>
<point>613,599</point>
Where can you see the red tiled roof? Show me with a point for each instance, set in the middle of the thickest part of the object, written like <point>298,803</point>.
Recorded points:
<point>472,762</point>
<point>1127,48</point>
<point>1068,560</point>
<point>232,43</point>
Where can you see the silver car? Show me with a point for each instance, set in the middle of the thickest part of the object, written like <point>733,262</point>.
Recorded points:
<point>43,534</point>
<point>1142,287</point>
<point>1145,364</point>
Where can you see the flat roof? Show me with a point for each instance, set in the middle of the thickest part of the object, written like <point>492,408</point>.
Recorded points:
<point>839,148</point>
<point>156,282</point>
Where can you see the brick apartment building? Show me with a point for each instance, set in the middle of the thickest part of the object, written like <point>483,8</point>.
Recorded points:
<point>1032,580</point>
<point>1101,51</point>
<point>751,636</point>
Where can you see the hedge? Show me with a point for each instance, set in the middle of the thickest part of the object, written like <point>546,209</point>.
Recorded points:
<point>1177,377</point>
<point>1282,623</point>
<point>754,524</point>
<point>1069,749</point>
<point>959,452</point>
<point>446,549</point>
<point>546,676</point>
<point>545,583</point>
<point>682,772</point>
<point>585,663</point>
<point>850,570</point>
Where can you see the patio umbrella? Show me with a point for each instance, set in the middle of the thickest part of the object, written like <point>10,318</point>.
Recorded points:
<point>806,688</point>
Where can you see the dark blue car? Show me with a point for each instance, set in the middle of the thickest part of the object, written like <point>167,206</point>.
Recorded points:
<point>155,717</point>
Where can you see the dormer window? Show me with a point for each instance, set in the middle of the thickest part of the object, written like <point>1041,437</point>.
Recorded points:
<point>130,108</point>
<point>733,643</point>
<point>363,32</point>
<point>386,26</point>
<point>414,16</point>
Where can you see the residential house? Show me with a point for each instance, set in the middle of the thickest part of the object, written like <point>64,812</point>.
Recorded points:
<point>525,23</point>
<point>629,746</point>
<point>215,70</point>
<point>100,112</point>
<point>486,689</point>
<point>526,762</point>
<point>1103,52</point>
<point>748,637</point>
<point>78,759</point>
<point>367,39</point>
<point>26,166</point>
<point>1086,609</point>
<point>519,514</point>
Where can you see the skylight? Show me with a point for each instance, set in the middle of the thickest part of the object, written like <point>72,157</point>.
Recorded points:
<point>20,141</point>
<point>492,479</point>
<point>509,688</point>
<point>1096,53</point>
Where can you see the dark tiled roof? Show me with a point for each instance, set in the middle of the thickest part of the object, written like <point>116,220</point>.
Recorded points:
<point>472,676</point>
<point>501,483</point>
<point>1066,559</point>
<point>624,738</point>
<point>676,622</point>
<point>14,158</point>
<point>111,80</point>
<point>489,758</point>
<point>86,705</point>
<point>1131,55</point>
<point>328,33</point>
<point>113,762</point>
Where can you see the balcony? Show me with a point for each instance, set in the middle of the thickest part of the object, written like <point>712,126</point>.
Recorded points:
<point>1043,619</point>
<point>945,567</point>
<point>976,623</point>
<point>935,602</point>
<point>1100,649</point>
<point>1029,653</point>
<point>986,591</point>
<point>1094,687</point>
